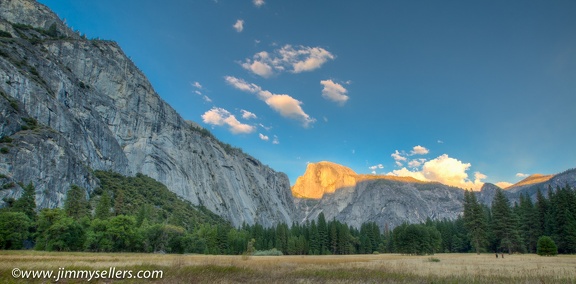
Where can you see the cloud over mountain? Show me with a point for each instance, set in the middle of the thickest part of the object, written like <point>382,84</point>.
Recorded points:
<point>446,170</point>
<point>219,117</point>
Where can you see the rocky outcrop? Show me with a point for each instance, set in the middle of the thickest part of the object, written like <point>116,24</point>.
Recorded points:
<point>321,178</point>
<point>96,110</point>
<point>388,201</point>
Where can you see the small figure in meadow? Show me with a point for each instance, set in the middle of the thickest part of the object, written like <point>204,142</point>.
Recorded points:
<point>496,255</point>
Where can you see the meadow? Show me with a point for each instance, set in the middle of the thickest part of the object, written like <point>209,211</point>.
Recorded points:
<point>390,268</point>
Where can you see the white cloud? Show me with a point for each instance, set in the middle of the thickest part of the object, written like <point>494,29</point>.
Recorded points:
<point>197,91</point>
<point>263,137</point>
<point>334,92</point>
<point>440,142</point>
<point>398,156</point>
<point>219,117</point>
<point>375,167</point>
<point>275,140</point>
<point>197,85</point>
<point>404,172</point>
<point>248,115</point>
<point>259,68</point>
<point>258,3</point>
<point>267,128</point>
<point>239,25</point>
<point>522,175</point>
<point>419,150</point>
<point>445,170</point>
<point>288,58</point>
<point>416,163</point>
<point>286,105</point>
<point>503,184</point>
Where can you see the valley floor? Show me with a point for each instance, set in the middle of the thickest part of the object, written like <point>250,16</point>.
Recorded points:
<point>390,268</point>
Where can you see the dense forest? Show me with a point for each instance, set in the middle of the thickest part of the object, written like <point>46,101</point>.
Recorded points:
<point>139,214</point>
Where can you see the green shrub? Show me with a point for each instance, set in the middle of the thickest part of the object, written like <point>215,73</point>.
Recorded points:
<point>6,139</point>
<point>546,246</point>
<point>4,150</point>
<point>5,34</point>
<point>270,252</point>
<point>8,185</point>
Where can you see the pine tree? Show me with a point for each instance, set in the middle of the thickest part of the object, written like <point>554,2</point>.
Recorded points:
<point>76,205</point>
<point>527,214</point>
<point>504,223</point>
<point>323,233</point>
<point>103,207</point>
<point>314,239</point>
<point>27,202</point>
<point>474,222</point>
<point>542,214</point>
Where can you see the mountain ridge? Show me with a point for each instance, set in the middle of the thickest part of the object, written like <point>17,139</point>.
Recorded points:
<point>95,110</point>
<point>391,202</point>
<point>326,177</point>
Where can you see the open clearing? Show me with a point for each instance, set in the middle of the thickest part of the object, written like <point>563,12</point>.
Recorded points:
<point>391,268</point>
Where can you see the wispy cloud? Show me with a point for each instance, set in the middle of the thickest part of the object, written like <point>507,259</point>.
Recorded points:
<point>275,141</point>
<point>287,59</point>
<point>285,105</point>
<point>263,137</point>
<point>219,117</point>
<point>334,92</point>
<point>198,90</point>
<point>248,115</point>
<point>258,3</point>
<point>239,25</point>
<point>267,128</point>
<point>522,175</point>
<point>376,167</point>
<point>398,158</point>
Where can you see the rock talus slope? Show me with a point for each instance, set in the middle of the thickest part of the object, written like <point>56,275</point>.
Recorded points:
<point>95,110</point>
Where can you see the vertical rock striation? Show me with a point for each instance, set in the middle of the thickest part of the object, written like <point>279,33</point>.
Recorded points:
<point>96,110</point>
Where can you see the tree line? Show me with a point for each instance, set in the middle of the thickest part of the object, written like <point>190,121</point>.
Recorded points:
<point>139,214</point>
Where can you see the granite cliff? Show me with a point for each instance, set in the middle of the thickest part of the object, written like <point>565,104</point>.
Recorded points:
<point>389,201</point>
<point>340,193</point>
<point>70,105</point>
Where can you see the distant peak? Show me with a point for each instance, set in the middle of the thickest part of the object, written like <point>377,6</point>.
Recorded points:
<point>532,179</point>
<point>327,177</point>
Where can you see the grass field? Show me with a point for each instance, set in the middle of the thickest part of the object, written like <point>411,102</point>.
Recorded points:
<point>390,268</point>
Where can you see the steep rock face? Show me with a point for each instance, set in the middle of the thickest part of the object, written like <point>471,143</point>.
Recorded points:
<point>96,110</point>
<point>388,201</point>
<point>321,178</point>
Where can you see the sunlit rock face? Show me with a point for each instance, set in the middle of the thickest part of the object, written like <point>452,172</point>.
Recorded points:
<point>97,111</point>
<point>321,178</point>
<point>340,193</point>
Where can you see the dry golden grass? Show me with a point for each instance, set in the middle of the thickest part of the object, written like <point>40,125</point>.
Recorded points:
<point>453,268</point>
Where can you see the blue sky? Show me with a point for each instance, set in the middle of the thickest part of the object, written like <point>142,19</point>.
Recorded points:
<point>462,92</point>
